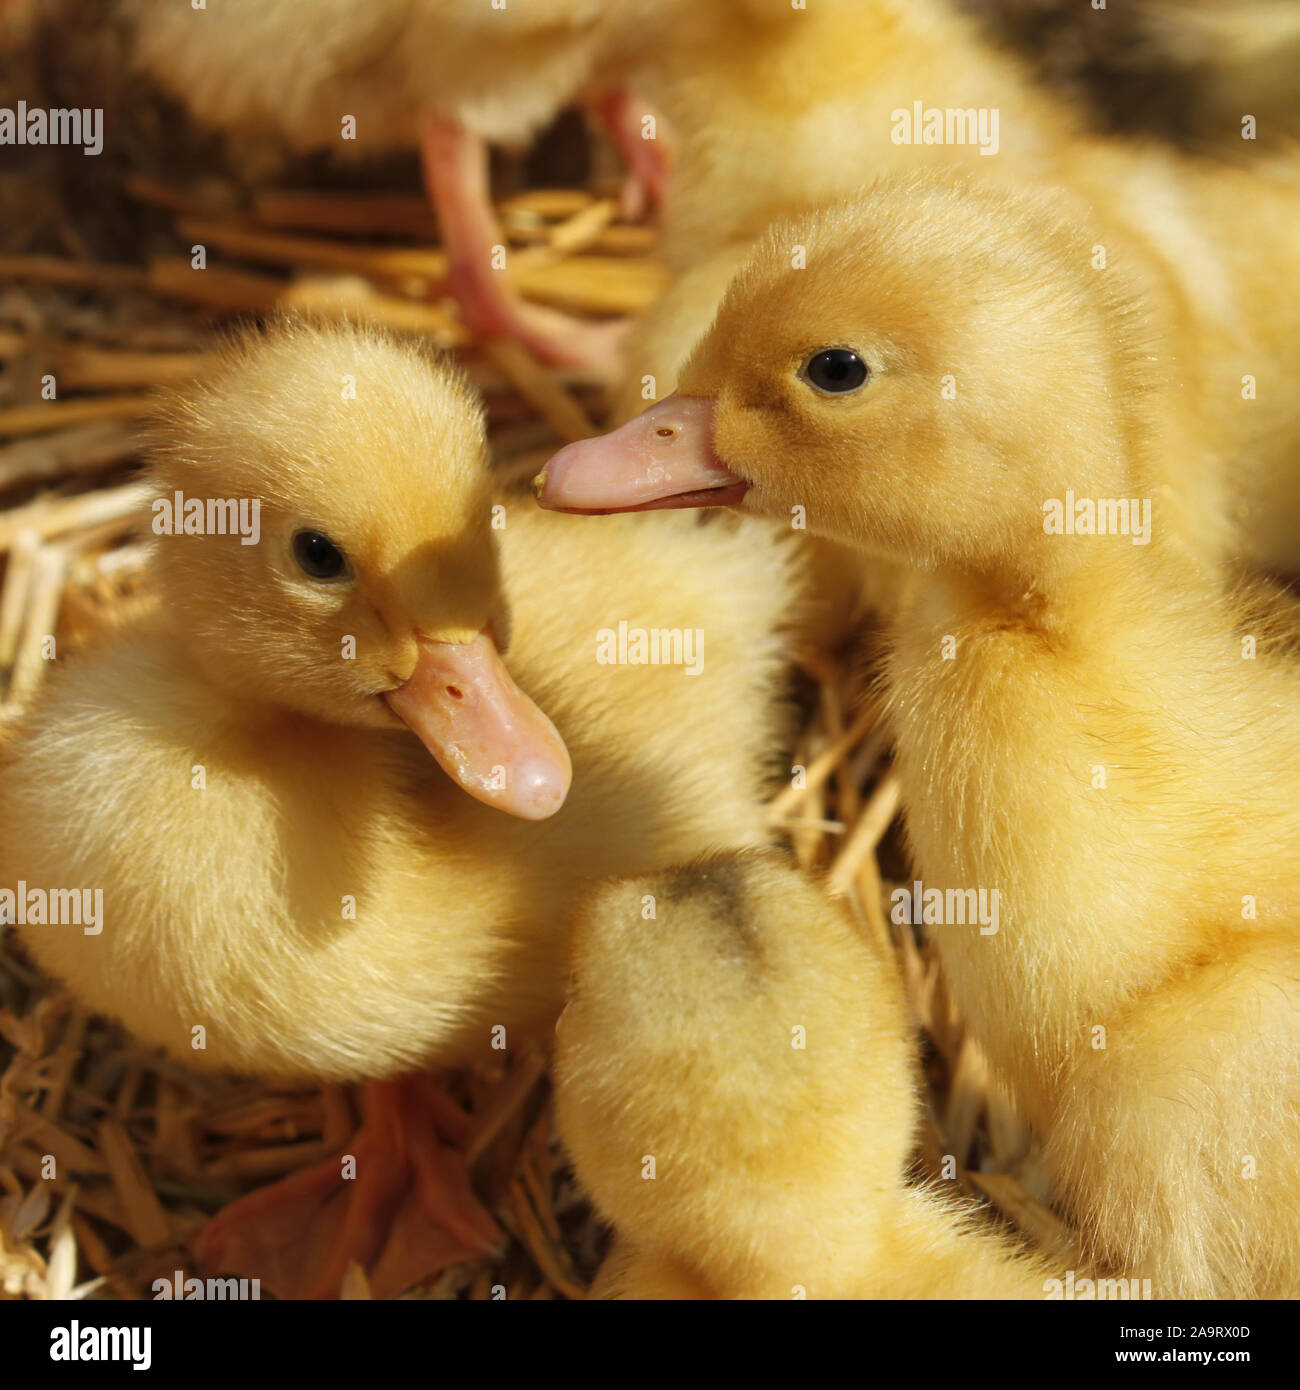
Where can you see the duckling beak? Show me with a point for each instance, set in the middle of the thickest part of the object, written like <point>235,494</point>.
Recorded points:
<point>663,458</point>
<point>482,730</point>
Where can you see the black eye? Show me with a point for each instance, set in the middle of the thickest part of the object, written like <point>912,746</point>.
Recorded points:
<point>835,370</point>
<point>318,555</point>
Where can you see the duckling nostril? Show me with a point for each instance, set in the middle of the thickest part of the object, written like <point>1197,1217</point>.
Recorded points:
<point>667,432</point>
<point>455,692</point>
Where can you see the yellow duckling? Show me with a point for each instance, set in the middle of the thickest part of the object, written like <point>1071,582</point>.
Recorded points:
<point>777,111</point>
<point>289,883</point>
<point>1085,722</point>
<point>364,78</point>
<point>737,1085</point>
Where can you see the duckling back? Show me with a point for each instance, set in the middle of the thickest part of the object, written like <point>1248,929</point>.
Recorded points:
<point>1211,251</point>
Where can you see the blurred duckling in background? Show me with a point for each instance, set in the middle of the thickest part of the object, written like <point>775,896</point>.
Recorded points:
<point>1198,71</point>
<point>1238,61</point>
<point>443,74</point>
<point>737,1085</point>
<point>292,886</point>
<point>774,108</point>
<point>1086,721</point>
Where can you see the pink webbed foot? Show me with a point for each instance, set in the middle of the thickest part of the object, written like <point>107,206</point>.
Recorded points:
<point>403,1209</point>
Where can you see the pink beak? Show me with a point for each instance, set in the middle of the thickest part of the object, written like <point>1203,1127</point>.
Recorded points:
<point>663,458</point>
<point>484,732</point>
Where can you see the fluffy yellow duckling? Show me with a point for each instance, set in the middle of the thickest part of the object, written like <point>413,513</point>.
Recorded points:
<point>448,75</point>
<point>736,1083</point>
<point>289,883</point>
<point>1203,249</point>
<point>1085,722</point>
<point>794,109</point>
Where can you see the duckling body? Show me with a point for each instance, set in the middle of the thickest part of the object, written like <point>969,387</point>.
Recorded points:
<point>782,1140</point>
<point>1142,994</point>
<point>1207,250</point>
<point>1086,719</point>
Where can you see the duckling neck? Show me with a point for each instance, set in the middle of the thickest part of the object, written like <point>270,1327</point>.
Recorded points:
<point>202,665</point>
<point>1048,743</point>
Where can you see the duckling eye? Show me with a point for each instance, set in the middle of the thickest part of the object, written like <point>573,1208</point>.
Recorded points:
<point>835,371</point>
<point>318,556</point>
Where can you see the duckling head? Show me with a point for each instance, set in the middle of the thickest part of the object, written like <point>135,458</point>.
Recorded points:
<point>930,351</point>
<point>325,543</point>
<point>733,1064</point>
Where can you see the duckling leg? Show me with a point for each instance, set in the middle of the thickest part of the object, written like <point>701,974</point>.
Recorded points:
<point>646,185</point>
<point>455,167</point>
<point>398,1204</point>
